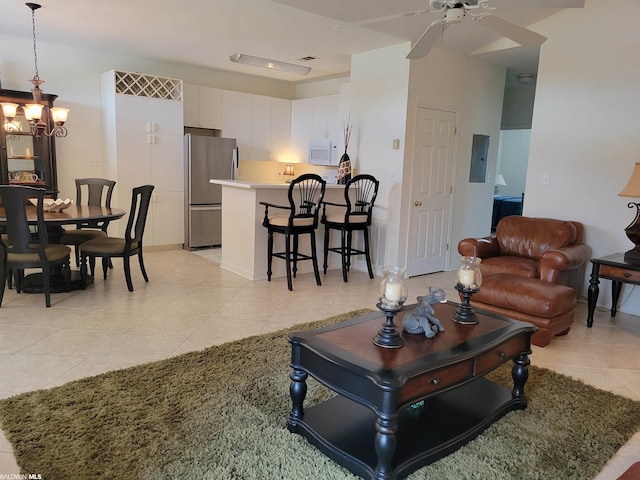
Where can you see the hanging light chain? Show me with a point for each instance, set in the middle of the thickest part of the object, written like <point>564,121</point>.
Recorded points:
<point>34,7</point>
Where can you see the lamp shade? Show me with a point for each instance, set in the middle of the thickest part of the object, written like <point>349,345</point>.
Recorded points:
<point>9,109</point>
<point>632,188</point>
<point>500,180</point>
<point>33,111</point>
<point>59,114</point>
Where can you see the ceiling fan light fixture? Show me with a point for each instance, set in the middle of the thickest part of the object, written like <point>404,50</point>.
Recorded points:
<point>270,64</point>
<point>454,15</point>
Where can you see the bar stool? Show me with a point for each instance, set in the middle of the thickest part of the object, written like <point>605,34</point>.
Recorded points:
<point>305,196</point>
<point>354,215</point>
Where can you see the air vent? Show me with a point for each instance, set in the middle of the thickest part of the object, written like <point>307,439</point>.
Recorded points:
<point>307,58</point>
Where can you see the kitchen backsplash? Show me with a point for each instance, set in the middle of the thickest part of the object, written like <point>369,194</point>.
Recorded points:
<point>252,170</point>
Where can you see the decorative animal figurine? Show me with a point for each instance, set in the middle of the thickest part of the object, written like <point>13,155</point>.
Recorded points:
<point>421,319</point>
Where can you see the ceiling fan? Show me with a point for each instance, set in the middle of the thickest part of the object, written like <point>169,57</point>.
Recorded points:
<point>456,11</point>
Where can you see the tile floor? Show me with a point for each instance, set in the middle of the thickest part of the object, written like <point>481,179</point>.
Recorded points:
<point>190,304</point>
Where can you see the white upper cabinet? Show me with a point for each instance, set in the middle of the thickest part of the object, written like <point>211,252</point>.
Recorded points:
<point>281,129</point>
<point>202,107</point>
<point>261,125</point>
<point>143,144</point>
<point>236,120</point>
<point>315,118</point>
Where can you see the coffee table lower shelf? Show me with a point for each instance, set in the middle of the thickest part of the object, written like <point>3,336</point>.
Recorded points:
<point>345,431</point>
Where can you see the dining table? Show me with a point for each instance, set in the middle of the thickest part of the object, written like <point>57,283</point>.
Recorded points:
<point>71,215</point>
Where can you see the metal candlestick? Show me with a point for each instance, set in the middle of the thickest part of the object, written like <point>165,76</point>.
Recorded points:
<point>388,336</point>
<point>465,313</point>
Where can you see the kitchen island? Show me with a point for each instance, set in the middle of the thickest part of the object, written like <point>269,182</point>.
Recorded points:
<point>244,239</point>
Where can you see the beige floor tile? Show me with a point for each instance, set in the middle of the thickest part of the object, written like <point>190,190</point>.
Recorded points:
<point>191,303</point>
<point>32,372</point>
<point>71,343</point>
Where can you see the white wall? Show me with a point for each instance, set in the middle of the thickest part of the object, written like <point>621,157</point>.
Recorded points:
<point>384,102</point>
<point>513,156</point>
<point>442,81</point>
<point>517,108</point>
<point>74,75</point>
<point>585,125</point>
<point>379,89</point>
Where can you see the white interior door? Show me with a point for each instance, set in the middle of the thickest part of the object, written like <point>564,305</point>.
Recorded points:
<point>431,191</point>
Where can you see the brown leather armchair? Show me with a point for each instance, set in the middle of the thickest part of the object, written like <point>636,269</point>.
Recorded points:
<point>544,248</point>
<point>531,271</point>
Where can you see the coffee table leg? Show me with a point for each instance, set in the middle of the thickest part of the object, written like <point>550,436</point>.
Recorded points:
<point>385,445</point>
<point>520,374</point>
<point>298,391</point>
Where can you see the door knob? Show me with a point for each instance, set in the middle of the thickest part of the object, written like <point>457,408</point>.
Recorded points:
<point>417,203</point>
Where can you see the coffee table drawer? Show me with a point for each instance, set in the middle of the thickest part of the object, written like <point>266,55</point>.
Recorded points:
<point>622,274</point>
<point>434,381</point>
<point>491,359</point>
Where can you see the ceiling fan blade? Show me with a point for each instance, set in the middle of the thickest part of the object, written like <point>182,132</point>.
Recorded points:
<point>511,30</point>
<point>427,40</point>
<point>521,4</point>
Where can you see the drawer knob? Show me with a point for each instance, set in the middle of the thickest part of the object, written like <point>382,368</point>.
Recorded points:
<point>502,354</point>
<point>627,274</point>
<point>434,381</point>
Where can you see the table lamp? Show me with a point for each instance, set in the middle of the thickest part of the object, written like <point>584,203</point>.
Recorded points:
<point>288,173</point>
<point>499,183</point>
<point>632,189</point>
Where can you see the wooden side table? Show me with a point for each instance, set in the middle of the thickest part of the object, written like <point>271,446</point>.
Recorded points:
<point>615,268</point>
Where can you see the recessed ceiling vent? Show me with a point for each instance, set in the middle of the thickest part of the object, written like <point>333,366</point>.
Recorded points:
<point>308,58</point>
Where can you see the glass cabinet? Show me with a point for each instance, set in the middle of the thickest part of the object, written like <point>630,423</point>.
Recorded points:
<point>25,158</point>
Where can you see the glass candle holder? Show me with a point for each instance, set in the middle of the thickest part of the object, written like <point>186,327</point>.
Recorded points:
<point>469,276</point>
<point>392,290</point>
<point>392,293</point>
<point>468,281</point>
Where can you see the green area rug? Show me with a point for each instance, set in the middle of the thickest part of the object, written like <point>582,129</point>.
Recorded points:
<point>221,414</point>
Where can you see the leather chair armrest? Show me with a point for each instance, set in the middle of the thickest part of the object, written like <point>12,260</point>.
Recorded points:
<point>479,247</point>
<point>557,260</point>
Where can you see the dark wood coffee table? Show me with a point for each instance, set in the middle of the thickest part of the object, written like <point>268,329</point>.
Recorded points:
<point>376,426</point>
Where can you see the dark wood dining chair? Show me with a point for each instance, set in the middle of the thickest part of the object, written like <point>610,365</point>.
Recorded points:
<point>98,193</point>
<point>110,247</point>
<point>353,215</point>
<point>305,196</point>
<point>25,247</point>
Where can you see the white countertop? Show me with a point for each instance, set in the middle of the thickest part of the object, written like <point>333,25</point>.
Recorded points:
<point>256,184</point>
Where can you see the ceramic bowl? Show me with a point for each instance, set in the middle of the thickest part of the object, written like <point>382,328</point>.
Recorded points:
<point>51,205</point>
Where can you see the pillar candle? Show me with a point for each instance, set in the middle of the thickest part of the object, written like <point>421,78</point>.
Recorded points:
<point>467,277</point>
<point>393,291</point>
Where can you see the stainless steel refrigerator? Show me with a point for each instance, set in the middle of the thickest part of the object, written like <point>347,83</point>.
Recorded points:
<point>206,158</point>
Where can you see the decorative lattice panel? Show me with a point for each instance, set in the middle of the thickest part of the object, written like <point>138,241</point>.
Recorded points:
<point>142,85</point>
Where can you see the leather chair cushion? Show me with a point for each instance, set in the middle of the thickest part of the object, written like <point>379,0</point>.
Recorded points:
<point>522,266</point>
<point>531,237</point>
<point>632,473</point>
<point>283,221</point>
<point>528,295</point>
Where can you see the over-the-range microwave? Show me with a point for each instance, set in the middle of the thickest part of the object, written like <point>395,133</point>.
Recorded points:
<point>323,151</point>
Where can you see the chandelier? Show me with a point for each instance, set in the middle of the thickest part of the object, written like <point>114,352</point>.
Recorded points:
<point>33,111</point>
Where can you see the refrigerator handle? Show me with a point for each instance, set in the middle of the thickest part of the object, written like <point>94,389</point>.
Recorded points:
<point>234,163</point>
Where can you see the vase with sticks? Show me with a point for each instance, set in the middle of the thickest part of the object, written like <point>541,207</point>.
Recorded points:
<point>344,167</point>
